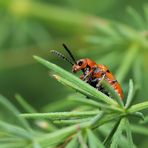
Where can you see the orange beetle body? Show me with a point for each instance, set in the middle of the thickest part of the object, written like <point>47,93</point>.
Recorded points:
<point>93,73</point>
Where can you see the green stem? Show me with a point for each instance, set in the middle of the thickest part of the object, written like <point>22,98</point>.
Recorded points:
<point>72,121</point>
<point>60,115</point>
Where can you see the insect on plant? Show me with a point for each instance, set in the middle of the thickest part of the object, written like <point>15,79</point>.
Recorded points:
<point>93,73</point>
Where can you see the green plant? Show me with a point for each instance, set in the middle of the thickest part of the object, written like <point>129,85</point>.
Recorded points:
<point>95,122</point>
<point>80,125</point>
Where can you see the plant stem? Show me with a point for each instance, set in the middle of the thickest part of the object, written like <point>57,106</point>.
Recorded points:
<point>60,115</point>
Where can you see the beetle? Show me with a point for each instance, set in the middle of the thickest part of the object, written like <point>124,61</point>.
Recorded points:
<point>93,73</point>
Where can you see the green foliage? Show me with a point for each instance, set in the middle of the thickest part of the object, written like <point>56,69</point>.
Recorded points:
<point>102,117</point>
<point>93,141</point>
<point>95,120</point>
<point>52,115</point>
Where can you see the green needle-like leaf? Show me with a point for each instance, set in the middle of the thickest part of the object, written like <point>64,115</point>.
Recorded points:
<point>113,93</point>
<point>117,135</point>
<point>24,104</point>
<point>139,115</point>
<point>14,145</point>
<point>74,86</point>
<point>14,130</point>
<point>93,141</point>
<point>81,99</point>
<point>14,112</point>
<point>129,134</point>
<point>57,136</point>
<point>71,121</point>
<point>108,139</point>
<point>60,115</point>
<point>137,18</point>
<point>145,120</point>
<point>107,118</point>
<point>130,94</point>
<point>138,129</point>
<point>82,140</point>
<point>108,30</point>
<point>73,143</point>
<point>97,118</point>
<point>138,107</point>
<point>58,105</point>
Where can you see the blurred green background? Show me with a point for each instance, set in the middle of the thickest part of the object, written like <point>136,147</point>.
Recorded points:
<point>102,30</point>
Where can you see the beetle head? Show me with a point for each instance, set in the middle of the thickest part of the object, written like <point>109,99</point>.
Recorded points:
<point>79,65</point>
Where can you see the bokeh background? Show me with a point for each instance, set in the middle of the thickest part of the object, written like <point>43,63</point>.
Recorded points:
<point>114,33</point>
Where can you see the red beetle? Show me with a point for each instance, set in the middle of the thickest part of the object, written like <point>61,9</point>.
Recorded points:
<point>92,73</point>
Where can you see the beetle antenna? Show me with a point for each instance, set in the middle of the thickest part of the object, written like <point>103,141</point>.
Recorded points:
<point>66,48</point>
<point>61,56</point>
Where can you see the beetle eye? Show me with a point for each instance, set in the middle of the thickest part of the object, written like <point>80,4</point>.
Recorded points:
<point>80,63</point>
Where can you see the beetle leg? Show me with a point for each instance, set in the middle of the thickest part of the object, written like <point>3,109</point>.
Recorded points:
<point>99,82</point>
<point>87,75</point>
